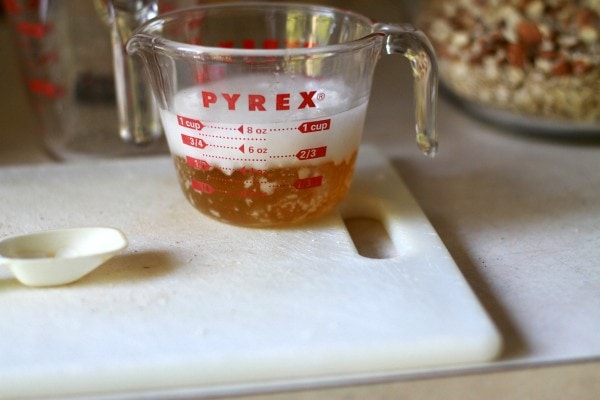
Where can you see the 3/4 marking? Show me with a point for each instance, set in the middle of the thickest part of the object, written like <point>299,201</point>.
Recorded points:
<point>193,141</point>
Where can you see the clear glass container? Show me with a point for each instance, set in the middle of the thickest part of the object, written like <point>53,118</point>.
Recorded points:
<point>65,50</point>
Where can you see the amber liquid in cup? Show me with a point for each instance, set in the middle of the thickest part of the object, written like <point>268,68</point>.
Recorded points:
<point>266,198</point>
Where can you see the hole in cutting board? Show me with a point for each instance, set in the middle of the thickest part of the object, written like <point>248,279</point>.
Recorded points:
<point>370,237</point>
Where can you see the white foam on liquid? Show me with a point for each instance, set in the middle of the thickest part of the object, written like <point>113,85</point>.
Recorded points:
<point>333,101</point>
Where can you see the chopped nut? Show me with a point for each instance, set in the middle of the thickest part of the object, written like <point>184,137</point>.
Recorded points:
<point>529,34</point>
<point>544,65</point>
<point>567,40</point>
<point>587,17</point>
<point>490,68</point>
<point>580,67</point>
<point>515,77</point>
<point>460,39</point>
<point>535,9</point>
<point>561,67</point>
<point>588,34</point>
<point>515,54</point>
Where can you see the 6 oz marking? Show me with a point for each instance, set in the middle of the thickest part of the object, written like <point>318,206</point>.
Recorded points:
<point>258,150</point>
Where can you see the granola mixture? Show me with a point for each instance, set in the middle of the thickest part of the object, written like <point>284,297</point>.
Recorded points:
<point>533,57</point>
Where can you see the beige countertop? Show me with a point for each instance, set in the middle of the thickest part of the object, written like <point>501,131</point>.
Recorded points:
<point>519,214</point>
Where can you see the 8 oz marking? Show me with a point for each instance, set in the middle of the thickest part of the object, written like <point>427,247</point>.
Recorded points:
<point>257,131</point>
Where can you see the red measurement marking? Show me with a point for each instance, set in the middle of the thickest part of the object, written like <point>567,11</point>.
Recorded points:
<point>226,180</point>
<point>195,22</point>
<point>196,163</point>
<point>309,154</point>
<point>193,141</point>
<point>45,88</point>
<point>201,75</point>
<point>223,128</point>
<point>190,123</point>
<point>46,58</point>
<point>257,150</point>
<point>207,188</point>
<point>246,159</point>
<point>207,73</point>
<point>252,194</point>
<point>202,187</point>
<point>166,7</point>
<point>33,30</point>
<point>315,126</point>
<point>308,183</point>
<point>12,7</point>
<point>270,44</point>
<point>245,171</point>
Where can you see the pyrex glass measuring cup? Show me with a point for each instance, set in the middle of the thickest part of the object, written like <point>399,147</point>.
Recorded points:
<point>263,104</point>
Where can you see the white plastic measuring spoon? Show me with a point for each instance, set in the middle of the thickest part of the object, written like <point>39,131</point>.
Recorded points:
<point>59,257</point>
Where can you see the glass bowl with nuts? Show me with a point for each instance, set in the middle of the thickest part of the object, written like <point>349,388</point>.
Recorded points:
<point>530,64</point>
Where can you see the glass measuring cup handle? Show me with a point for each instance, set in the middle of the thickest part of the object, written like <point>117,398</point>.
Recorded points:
<point>413,44</point>
<point>139,119</point>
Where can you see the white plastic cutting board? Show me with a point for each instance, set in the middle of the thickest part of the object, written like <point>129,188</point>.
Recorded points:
<point>196,305</point>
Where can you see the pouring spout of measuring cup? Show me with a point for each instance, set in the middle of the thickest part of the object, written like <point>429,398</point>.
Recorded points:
<point>413,44</point>
<point>138,116</point>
